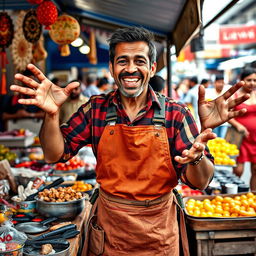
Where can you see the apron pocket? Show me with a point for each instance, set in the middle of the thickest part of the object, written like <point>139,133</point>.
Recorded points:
<point>96,238</point>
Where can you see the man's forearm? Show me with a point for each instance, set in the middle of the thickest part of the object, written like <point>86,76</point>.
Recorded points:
<point>51,138</point>
<point>200,175</point>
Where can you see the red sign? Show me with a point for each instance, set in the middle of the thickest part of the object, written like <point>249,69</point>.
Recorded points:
<point>237,35</point>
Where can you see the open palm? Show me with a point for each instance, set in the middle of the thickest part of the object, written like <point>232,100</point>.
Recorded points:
<point>216,112</point>
<point>42,93</point>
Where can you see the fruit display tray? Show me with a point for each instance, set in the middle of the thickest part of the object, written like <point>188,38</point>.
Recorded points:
<point>218,223</point>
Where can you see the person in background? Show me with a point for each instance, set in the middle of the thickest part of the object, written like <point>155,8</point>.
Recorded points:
<point>157,83</point>
<point>70,106</point>
<point>247,125</point>
<point>91,86</point>
<point>144,143</point>
<point>191,98</point>
<point>182,89</point>
<point>212,93</point>
<point>16,115</point>
<point>205,82</point>
<point>80,79</point>
<point>103,85</point>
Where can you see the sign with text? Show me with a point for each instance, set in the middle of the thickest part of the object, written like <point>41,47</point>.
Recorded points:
<point>237,34</point>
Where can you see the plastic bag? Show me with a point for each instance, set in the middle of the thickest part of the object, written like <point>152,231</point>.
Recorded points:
<point>11,240</point>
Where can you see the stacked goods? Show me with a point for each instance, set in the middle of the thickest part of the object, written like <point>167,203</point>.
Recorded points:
<point>240,205</point>
<point>72,164</point>
<point>81,186</point>
<point>5,153</point>
<point>222,150</point>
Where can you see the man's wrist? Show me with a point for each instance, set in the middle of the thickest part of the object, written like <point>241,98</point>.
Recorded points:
<point>198,160</point>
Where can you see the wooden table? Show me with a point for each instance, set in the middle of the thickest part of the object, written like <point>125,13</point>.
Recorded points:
<point>80,221</point>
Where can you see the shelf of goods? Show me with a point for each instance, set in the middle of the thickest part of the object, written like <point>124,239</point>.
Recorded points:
<point>221,225</point>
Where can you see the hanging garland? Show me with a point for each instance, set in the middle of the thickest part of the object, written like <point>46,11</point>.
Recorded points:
<point>6,37</point>
<point>21,48</point>
<point>32,29</point>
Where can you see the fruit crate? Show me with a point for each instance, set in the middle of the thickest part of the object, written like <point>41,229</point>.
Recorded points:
<point>218,223</point>
<point>210,236</point>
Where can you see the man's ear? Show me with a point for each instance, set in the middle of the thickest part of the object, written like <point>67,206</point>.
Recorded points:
<point>153,69</point>
<point>110,66</point>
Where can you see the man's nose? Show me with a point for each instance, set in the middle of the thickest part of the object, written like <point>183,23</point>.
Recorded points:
<point>131,67</point>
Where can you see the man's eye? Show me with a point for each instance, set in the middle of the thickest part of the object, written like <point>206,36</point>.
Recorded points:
<point>121,62</point>
<point>140,62</point>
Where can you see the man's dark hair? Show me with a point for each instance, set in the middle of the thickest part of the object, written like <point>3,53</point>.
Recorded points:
<point>219,77</point>
<point>157,83</point>
<point>247,72</point>
<point>132,34</point>
<point>102,81</point>
<point>204,81</point>
<point>193,79</point>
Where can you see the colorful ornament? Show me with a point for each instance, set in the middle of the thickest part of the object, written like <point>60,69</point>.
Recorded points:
<point>35,1</point>
<point>64,31</point>
<point>21,48</point>
<point>6,37</point>
<point>39,52</point>
<point>47,13</point>
<point>32,29</point>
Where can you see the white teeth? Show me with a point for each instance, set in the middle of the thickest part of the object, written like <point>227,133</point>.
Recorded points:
<point>131,79</point>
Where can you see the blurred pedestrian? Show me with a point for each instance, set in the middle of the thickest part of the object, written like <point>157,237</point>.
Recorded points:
<point>211,94</point>
<point>246,124</point>
<point>91,86</point>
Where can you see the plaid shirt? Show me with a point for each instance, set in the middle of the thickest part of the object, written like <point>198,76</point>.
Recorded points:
<point>87,124</point>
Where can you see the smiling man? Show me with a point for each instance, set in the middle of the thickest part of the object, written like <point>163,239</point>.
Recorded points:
<point>144,143</point>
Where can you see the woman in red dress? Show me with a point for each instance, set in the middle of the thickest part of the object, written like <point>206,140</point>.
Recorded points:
<point>247,124</point>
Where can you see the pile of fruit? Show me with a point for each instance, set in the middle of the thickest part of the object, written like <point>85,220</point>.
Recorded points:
<point>5,153</point>
<point>222,150</point>
<point>237,206</point>
<point>71,164</point>
<point>185,190</point>
<point>81,186</point>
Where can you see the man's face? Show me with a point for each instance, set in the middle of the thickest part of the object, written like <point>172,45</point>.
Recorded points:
<point>219,84</point>
<point>131,69</point>
<point>75,93</point>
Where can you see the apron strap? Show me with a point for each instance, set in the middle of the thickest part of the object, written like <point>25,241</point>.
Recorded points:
<point>158,118</point>
<point>111,115</point>
<point>182,225</point>
<point>159,114</point>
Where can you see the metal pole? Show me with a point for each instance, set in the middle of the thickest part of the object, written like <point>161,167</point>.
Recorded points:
<point>169,68</point>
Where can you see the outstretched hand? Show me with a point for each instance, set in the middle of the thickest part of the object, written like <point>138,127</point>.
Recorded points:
<point>43,93</point>
<point>197,148</point>
<point>216,112</point>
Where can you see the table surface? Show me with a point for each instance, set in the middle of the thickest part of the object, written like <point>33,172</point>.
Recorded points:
<point>80,222</point>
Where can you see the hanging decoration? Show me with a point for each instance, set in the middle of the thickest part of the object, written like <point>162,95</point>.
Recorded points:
<point>38,51</point>
<point>92,55</point>
<point>6,37</point>
<point>47,13</point>
<point>64,31</point>
<point>21,48</point>
<point>32,29</point>
<point>35,1</point>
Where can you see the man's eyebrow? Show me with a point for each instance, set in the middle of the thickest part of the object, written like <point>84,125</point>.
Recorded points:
<point>136,56</point>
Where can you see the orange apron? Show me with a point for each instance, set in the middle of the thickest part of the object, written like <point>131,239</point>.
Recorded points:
<point>136,210</point>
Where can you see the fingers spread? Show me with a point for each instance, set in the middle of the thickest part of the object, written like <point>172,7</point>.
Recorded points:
<point>232,90</point>
<point>26,80</point>
<point>240,112</point>
<point>201,94</point>
<point>70,87</point>
<point>28,101</point>
<point>237,101</point>
<point>23,90</point>
<point>37,72</point>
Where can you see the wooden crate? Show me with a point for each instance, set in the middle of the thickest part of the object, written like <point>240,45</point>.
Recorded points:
<point>226,242</point>
<point>221,236</point>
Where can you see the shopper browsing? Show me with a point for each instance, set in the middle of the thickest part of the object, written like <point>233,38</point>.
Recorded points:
<point>144,143</point>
